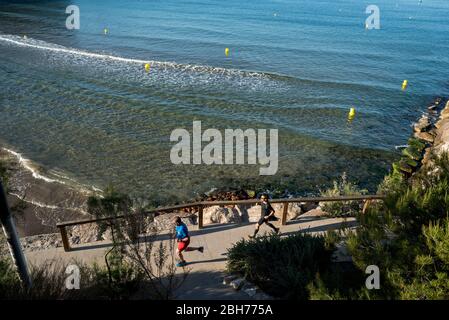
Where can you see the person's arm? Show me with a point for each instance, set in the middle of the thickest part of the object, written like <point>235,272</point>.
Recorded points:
<point>175,235</point>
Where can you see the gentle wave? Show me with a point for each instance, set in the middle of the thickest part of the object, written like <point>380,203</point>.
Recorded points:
<point>163,65</point>
<point>42,45</point>
<point>48,206</point>
<point>27,164</point>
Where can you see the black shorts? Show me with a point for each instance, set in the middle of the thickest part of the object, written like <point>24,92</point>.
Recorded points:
<point>262,220</point>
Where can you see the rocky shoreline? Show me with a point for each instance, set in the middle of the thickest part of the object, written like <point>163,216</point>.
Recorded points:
<point>432,129</point>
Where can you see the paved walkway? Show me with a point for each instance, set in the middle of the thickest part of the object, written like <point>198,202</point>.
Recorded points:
<point>207,269</point>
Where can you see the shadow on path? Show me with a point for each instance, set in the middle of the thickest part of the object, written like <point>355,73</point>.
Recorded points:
<point>206,261</point>
<point>225,227</point>
<point>207,285</point>
<point>323,228</point>
<point>166,236</point>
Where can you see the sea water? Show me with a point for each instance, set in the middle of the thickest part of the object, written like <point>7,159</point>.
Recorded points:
<point>80,103</point>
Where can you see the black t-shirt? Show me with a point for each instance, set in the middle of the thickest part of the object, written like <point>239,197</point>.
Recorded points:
<point>266,209</point>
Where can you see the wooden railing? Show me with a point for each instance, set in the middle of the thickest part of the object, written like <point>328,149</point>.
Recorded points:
<point>201,205</point>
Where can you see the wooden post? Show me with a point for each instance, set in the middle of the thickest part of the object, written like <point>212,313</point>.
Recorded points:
<point>65,239</point>
<point>200,217</point>
<point>284,214</point>
<point>366,205</point>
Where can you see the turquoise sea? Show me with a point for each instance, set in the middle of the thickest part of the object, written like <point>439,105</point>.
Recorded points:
<point>80,104</point>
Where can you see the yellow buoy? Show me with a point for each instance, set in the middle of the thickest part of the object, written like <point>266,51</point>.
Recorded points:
<point>106,30</point>
<point>227,52</point>
<point>147,67</point>
<point>351,114</point>
<point>404,84</point>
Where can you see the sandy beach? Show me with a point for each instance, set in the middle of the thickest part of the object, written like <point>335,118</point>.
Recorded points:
<point>45,201</point>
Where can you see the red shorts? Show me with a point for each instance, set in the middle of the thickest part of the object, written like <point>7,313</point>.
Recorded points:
<point>182,245</point>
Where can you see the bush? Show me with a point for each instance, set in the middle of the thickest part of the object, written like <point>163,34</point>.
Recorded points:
<point>407,238</point>
<point>341,282</point>
<point>7,274</point>
<point>417,207</point>
<point>134,267</point>
<point>283,267</point>
<point>119,281</point>
<point>133,238</point>
<point>342,187</point>
<point>393,183</point>
<point>111,204</point>
<point>48,282</point>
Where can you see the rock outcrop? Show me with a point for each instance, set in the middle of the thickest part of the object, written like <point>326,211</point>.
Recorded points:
<point>440,132</point>
<point>441,143</point>
<point>227,214</point>
<point>246,213</point>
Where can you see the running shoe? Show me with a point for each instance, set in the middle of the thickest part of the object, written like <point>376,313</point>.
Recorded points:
<point>181,264</point>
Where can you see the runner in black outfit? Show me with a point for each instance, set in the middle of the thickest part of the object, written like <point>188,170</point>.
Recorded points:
<point>266,214</point>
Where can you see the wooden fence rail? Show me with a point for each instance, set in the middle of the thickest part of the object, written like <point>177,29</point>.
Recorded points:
<point>201,205</point>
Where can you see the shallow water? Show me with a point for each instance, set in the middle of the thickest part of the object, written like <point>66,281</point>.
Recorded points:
<point>80,103</point>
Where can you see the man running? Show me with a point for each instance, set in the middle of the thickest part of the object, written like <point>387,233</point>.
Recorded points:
<point>266,214</point>
<point>183,239</point>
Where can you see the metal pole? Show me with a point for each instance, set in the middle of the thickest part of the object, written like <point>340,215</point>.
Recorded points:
<point>15,247</point>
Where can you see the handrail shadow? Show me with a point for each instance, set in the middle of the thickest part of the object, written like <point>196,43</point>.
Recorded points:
<point>324,227</point>
<point>166,236</point>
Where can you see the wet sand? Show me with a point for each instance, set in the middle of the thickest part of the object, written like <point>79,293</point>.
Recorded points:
<point>46,201</point>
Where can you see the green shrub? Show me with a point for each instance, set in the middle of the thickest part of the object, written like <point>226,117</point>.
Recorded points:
<point>437,240</point>
<point>341,282</point>
<point>342,187</point>
<point>48,281</point>
<point>119,280</point>
<point>417,206</point>
<point>393,183</point>
<point>134,268</point>
<point>427,276</point>
<point>408,237</point>
<point>111,204</point>
<point>133,238</point>
<point>7,274</point>
<point>282,267</point>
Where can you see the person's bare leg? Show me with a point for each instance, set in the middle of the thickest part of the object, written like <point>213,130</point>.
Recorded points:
<point>181,258</point>
<point>272,226</point>
<point>255,231</point>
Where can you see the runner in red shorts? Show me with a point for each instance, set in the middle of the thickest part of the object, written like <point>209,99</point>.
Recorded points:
<point>183,238</point>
